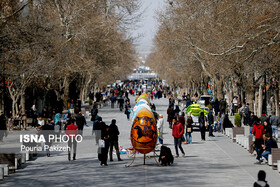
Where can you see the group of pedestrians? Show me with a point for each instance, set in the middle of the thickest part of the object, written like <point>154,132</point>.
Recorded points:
<point>72,125</point>
<point>264,141</point>
<point>107,138</point>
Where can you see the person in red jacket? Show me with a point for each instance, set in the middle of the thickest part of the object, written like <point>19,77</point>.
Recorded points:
<point>177,133</point>
<point>72,131</point>
<point>258,131</point>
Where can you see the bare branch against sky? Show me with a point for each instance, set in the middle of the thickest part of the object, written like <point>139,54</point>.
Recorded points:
<point>147,28</point>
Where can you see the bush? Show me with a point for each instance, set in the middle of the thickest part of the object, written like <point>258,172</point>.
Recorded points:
<point>237,120</point>
<point>90,102</point>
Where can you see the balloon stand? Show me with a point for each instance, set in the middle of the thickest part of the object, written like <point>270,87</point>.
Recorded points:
<point>134,157</point>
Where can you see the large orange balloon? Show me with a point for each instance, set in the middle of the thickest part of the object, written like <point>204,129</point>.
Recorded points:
<point>144,132</point>
<point>145,94</point>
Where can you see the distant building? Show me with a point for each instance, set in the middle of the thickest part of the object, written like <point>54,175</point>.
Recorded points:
<point>143,72</point>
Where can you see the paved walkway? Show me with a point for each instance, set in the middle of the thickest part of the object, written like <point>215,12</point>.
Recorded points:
<point>216,162</point>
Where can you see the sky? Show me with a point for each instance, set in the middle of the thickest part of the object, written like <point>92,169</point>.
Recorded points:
<point>148,26</point>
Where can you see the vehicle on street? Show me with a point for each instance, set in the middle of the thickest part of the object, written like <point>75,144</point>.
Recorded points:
<point>195,110</point>
<point>204,100</point>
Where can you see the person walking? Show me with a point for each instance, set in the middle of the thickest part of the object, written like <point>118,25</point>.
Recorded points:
<point>72,106</point>
<point>189,128</point>
<point>274,122</point>
<point>171,102</point>
<point>127,109</point>
<point>81,122</point>
<point>258,131</point>
<point>160,129</point>
<point>218,123</point>
<point>113,100</point>
<point>121,102</point>
<point>177,110</point>
<point>231,109</point>
<point>171,115</point>
<point>72,131</point>
<point>113,141</point>
<point>177,133</point>
<point>210,118</point>
<point>181,119</point>
<point>103,153</point>
<point>202,127</point>
<point>245,114</point>
<point>94,112</point>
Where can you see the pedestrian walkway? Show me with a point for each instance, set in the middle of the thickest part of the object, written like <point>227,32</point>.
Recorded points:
<point>215,162</point>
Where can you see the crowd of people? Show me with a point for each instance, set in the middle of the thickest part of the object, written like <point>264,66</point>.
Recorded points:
<point>264,128</point>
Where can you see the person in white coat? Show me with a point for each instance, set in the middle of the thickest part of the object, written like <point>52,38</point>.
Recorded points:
<point>160,129</point>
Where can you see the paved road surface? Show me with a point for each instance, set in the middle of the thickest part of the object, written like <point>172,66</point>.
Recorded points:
<point>216,162</point>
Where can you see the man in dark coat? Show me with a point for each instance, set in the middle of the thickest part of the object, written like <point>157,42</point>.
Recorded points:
<point>113,141</point>
<point>171,115</point>
<point>47,129</point>
<point>121,102</point>
<point>201,121</point>
<point>103,153</point>
<point>210,118</point>
<point>94,112</point>
<point>113,100</point>
<point>80,121</point>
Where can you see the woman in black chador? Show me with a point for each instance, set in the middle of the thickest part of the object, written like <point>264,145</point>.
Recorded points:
<point>202,127</point>
<point>103,151</point>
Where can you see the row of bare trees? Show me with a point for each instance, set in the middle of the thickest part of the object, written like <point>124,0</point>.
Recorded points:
<point>48,44</point>
<point>233,44</point>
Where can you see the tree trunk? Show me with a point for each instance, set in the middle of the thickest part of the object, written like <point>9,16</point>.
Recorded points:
<point>256,102</point>
<point>205,89</point>
<point>229,96</point>
<point>260,101</point>
<point>2,102</point>
<point>14,106</point>
<point>219,88</point>
<point>276,99</point>
<point>22,101</point>
<point>66,93</point>
<point>250,92</point>
<point>235,88</point>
